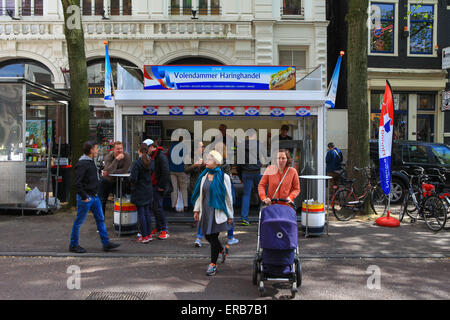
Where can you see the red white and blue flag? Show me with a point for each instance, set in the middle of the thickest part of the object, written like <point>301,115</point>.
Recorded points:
<point>302,111</point>
<point>386,131</point>
<point>150,110</point>
<point>277,111</point>
<point>176,110</point>
<point>201,110</point>
<point>226,111</point>
<point>252,111</point>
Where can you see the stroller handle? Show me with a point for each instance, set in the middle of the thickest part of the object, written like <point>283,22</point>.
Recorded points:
<point>285,200</point>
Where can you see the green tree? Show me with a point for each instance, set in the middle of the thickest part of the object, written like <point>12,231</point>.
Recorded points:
<point>79,106</point>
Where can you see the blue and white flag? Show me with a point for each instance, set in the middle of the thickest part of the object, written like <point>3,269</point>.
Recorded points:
<point>385,134</point>
<point>108,98</point>
<point>331,99</point>
<point>150,110</point>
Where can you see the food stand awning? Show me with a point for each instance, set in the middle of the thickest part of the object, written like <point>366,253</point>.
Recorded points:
<point>288,98</point>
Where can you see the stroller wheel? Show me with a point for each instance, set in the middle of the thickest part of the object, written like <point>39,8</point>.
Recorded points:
<point>261,289</point>
<point>294,290</point>
<point>298,273</point>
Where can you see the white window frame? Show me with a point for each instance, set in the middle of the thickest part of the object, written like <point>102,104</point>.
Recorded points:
<point>424,2</point>
<point>395,31</point>
<point>299,72</point>
<point>107,8</point>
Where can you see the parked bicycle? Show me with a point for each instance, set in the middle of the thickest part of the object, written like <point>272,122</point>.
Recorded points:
<point>346,203</point>
<point>421,202</point>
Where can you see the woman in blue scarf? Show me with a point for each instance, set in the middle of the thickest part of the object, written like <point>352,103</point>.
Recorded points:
<point>213,206</point>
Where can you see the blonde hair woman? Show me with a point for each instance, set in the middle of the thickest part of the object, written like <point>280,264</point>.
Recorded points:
<point>213,206</point>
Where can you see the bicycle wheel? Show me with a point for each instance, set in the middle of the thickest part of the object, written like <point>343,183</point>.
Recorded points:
<point>434,213</point>
<point>410,208</point>
<point>345,204</point>
<point>378,200</point>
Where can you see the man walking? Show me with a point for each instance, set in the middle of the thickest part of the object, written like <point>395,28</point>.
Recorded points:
<point>162,187</point>
<point>333,160</point>
<point>116,162</point>
<point>86,186</point>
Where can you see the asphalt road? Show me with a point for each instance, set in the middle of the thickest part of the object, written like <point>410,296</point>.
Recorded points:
<point>73,278</point>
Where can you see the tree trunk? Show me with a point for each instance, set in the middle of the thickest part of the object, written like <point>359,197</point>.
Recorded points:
<point>358,110</point>
<point>79,106</point>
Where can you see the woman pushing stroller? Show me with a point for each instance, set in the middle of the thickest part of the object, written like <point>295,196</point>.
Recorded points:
<point>289,188</point>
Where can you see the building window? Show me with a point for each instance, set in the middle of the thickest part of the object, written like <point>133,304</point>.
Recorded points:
<point>382,30</point>
<point>206,7</point>
<point>426,101</point>
<point>400,114</point>
<point>114,8</point>
<point>292,7</point>
<point>422,19</point>
<point>295,58</point>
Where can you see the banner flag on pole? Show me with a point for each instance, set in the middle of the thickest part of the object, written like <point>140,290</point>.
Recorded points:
<point>386,131</point>
<point>108,97</point>
<point>331,98</point>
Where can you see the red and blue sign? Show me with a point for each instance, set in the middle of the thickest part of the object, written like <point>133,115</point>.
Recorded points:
<point>386,131</point>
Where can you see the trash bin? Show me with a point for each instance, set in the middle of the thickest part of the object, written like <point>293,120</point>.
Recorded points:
<point>64,182</point>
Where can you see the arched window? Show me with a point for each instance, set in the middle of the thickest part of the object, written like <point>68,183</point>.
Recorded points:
<point>29,69</point>
<point>96,70</point>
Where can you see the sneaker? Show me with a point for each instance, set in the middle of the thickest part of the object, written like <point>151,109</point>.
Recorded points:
<point>110,246</point>
<point>233,241</point>
<point>163,235</point>
<point>198,243</point>
<point>154,232</point>
<point>212,269</point>
<point>77,249</point>
<point>147,239</point>
<point>225,252</point>
<point>245,222</point>
<point>140,239</point>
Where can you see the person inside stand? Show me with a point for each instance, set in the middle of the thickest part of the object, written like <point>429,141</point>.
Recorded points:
<point>161,188</point>
<point>116,162</point>
<point>333,161</point>
<point>273,175</point>
<point>86,186</point>
<point>226,168</point>
<point>250,172</point>
<point>177,176</point>
<point>284,133</point>
<point>142,192</point>
<point>213,207</point>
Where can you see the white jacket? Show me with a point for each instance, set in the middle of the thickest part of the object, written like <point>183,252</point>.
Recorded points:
<point>220,215</point>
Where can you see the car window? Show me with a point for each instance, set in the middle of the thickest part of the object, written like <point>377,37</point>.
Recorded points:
<point>415,154</point>
<point>441,153</point>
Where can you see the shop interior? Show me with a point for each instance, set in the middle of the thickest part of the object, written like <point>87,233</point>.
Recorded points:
<point>160,128</point>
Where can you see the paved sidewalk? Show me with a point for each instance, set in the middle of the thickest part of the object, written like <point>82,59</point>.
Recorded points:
<point>48,235</point>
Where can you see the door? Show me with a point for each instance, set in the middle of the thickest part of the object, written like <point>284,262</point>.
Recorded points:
<point>425,127</point>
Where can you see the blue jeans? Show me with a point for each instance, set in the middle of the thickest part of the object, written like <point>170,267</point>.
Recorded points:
<point>95,206</point>
<point>158,211</point>
<point>145,219</point>
<point>249,180</point>
<point>230,233</point>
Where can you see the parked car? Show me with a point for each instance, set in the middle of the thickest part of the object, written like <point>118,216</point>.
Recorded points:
<point>406,154</point>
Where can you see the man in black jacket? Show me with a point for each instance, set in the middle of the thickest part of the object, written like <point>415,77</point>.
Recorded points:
<point>86,186</point>
<point>162,187</point>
